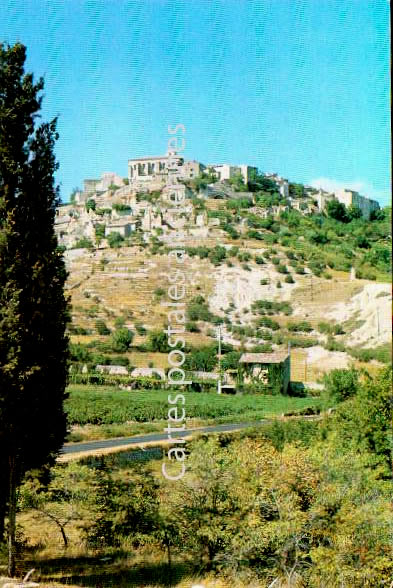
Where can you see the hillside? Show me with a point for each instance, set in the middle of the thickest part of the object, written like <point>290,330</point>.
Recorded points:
<point>270,276</point>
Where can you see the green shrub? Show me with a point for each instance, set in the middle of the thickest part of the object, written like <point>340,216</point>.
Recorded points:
<point>282,269</point>
<point>84,243</point>
<point>198,310</point>
<point>268,323</point>
<point>121,339</point>
<point>341,384</point>
<point>244,256</point>
<point>158,341</point>
<point>302,326</point>
<point>330,328</point>
<point>192,327</point>
<point>260,306</point>
<point>90,204</point>
<point>302,342</point>
<point>383,353</point>
<point>99,231</point>
<point>332,345</point>
<point>140,329</point>
<point>115,240</point>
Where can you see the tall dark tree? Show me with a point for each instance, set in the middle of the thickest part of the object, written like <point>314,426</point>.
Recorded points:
<point>33,307</point>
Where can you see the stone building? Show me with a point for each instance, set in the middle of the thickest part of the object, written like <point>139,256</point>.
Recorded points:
<point>192,169</point>
<point>282,183</point>
<point>145,169</point>
<point>353,198</point>
<point>123,227</point>
<point>322,198</point>
<point>269,371</point>
<point>151,219</point>
<point>225,171</point>
<point>101,185</point>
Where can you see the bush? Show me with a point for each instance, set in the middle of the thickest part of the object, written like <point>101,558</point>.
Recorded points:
<point>79,353</point>
<point>198,310</point>
<point>140,329</point>
<point>244,256</point>
<point>341,384</point>
<point>264,334</point>
<point>331,329</point>
<point>332,345</point>
<point>204,359</point>
<point>121,339</point>
<point>84,243</point>
<point>90,204</point>
<point>115,240</point>
<point>159,292</point>
<point>217,254</point>
<point>302,342</point>
<point>303,326</point>
<point>337,210</point>
<point>99,231</point>
<point>282,269</point>
<point>260,306</point>
<point>383,353</point>
<point>289,279</point>
<point>262,348</point>
<point>158,341</point>
<point>268,323</point>
<point>192,327</point>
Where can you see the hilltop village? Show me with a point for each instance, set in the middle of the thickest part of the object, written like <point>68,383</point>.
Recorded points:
<point>140,204</point>
<point>285,271</point>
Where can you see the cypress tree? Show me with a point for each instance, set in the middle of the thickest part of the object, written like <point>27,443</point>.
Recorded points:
<point>33,308</point>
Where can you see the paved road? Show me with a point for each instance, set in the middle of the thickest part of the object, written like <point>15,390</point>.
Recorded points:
<point>108,443</point>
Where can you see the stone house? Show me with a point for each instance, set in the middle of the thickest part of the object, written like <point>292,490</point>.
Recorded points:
<point>322,198</point>
<point>282,183</point>
<point>123,227</point>
<point>225,171</point>
<point>269,371</point>
<point>353,198</point>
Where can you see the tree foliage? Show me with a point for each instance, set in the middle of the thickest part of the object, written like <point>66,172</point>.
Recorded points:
<point>33,309</point>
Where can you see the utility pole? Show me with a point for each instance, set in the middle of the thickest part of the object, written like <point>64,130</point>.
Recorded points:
<point>219,359</point>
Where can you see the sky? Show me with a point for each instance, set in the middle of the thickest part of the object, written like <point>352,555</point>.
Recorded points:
<point>297,87</point>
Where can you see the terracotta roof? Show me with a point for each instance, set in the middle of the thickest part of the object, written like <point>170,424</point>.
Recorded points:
<point>275,357</point>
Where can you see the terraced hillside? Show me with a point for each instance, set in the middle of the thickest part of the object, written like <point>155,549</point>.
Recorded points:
<point>308,292</point>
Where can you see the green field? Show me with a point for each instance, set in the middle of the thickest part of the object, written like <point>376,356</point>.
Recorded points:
<point>103,405</point>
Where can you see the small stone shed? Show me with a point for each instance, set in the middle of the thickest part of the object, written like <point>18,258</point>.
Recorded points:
<point>269,370</point>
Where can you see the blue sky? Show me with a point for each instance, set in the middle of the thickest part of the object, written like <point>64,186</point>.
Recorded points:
<point>299,87</point>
